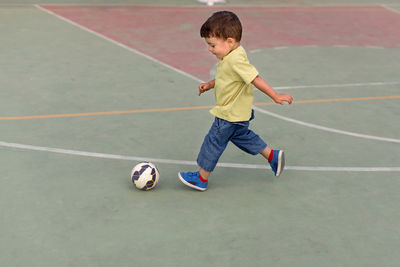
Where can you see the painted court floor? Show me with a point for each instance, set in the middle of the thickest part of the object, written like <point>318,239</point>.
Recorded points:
<point>89,90</point>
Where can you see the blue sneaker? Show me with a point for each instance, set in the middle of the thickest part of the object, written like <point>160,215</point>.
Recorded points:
<point>192,180</point>
<point>278,162</point>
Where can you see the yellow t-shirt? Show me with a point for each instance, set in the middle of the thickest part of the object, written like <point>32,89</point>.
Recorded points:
<point>233,89</point>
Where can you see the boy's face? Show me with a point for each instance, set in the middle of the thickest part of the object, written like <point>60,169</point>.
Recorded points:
<point>220,47</point>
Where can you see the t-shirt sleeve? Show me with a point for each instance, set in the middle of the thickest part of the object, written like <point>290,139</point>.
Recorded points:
<point>245,70</point>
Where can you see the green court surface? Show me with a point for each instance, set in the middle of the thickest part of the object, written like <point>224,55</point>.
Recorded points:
<point>79,109</point>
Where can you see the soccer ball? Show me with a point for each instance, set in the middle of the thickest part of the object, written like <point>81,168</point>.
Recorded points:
<point>145,175</point>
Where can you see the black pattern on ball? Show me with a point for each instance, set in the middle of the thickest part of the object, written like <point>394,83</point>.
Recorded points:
<point>144,188</point>
<point>135,176</point>
<point>144,167</point>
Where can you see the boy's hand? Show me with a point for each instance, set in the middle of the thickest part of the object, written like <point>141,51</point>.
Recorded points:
<point>264,87</point>
<point>204,87</point>
<point>283,98</point>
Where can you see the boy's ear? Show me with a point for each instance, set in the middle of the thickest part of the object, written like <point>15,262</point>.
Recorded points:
<point>231,40</point>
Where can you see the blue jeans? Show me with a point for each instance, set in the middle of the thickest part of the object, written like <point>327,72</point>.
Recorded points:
<point>220,134</point>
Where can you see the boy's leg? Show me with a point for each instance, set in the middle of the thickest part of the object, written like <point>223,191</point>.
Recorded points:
<point>212,148</point>
<point>204,174</point>
<point>214,145</point>
<point>266,152</point>
<point>248,141</point>
<point>251,143</point>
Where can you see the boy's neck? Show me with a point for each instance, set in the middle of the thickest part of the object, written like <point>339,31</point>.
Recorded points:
<point>235,45</point>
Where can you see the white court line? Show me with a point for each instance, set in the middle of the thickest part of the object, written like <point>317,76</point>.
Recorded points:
<point>323,128</point>
<point>336,85</point>
<point>390,8</point>
<point>192,163</point>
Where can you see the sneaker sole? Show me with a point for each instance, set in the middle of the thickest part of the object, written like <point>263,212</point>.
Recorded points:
<point>281,163</point>
<point>190,185</point>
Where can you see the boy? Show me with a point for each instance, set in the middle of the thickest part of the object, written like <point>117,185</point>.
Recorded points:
<point>233,89</point>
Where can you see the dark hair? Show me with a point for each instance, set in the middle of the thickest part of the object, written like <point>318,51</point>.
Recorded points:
<point>222,24</point>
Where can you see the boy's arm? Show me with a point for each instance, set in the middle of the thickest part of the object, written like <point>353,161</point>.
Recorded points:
<point>206,86</point>
<point>264,87</point>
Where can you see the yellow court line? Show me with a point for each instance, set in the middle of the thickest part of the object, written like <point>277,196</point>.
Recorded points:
<point>118,112</point>
<point>189,108</point>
